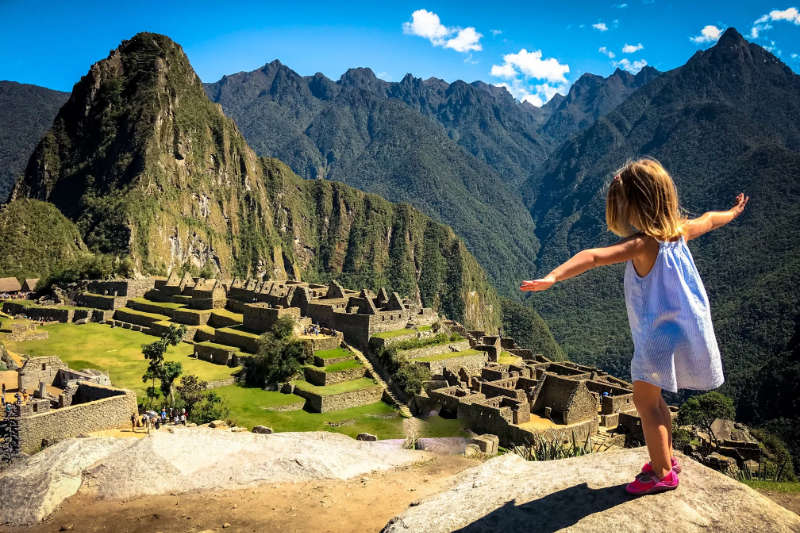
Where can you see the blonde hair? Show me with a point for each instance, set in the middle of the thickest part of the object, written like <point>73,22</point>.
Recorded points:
<point>643,197</point>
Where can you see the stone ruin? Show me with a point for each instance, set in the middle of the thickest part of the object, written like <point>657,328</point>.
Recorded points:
<point>539,397</point>
<point>58,403</point>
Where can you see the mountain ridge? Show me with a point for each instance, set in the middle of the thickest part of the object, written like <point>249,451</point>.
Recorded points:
<point>148,167</point>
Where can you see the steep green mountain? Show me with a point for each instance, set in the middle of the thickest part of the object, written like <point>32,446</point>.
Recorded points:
<point>26,111</point>
<point>727,121</point>
<point>148,167</point>
<point>37,240</point>
<point>354,131</point>
<point>590,98</point>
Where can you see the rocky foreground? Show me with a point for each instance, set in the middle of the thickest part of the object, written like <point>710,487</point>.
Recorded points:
<point>505,493</point>
<point>587,494</point>
<point>194,459</point>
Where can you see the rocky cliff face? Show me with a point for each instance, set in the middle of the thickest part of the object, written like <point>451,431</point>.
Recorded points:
<point>148,167</point>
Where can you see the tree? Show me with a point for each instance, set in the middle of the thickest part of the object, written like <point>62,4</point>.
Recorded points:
<point>191,391</point>
<point>702,410</point>
<point>278,357</point>
<point>166,372</point>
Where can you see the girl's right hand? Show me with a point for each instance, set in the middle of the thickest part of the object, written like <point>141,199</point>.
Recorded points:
<point>741,201</point>
<point>538,284</point>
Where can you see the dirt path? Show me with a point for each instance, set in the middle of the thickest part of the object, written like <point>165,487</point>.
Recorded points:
<point>364,503</point>
<point>790,500</point>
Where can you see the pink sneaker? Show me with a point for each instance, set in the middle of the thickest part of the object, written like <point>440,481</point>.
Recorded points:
<point>648,467</point>
<point>648,483</point>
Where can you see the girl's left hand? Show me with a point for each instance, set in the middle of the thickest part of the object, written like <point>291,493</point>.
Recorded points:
<point>537,284</point>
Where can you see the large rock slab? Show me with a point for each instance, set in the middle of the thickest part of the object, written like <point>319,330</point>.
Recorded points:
<point>184,460</point>
<point>587,493</point>
<point>33,488</point>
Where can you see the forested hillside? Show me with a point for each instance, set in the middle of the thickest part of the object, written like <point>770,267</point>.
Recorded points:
<point>26,111</point>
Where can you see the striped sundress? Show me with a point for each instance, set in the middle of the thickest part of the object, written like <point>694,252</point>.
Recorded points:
<point>670,318</point>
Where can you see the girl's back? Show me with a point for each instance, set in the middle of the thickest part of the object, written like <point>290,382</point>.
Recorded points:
<point>670,320</point>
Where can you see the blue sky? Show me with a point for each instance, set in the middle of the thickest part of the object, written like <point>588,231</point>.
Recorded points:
<point>534,48</point>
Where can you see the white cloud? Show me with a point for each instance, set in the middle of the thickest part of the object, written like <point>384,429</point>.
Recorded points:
<point>466,40</point>
<point>503,71</point>
<point>600,26</point>
<point>605,51</point>
<point>426,24</point>
<point>531,65</point>
<point>708,34</point>
<point>794,56</point>
<point>621,6</point>
<point>631,48</point>
<point>495,33</point>
<point>631,66</point>
<point>537,95</point>
<point>762,23</point>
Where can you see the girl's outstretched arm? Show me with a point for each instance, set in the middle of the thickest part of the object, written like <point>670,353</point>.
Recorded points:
<point>714,219</point>
<point>587,259</point>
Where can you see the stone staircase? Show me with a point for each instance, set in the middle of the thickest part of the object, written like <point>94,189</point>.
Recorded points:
<point>404,410</point>
<point>604,441</point>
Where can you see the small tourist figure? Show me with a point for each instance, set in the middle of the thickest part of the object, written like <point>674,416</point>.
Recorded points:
<point>183,418</point>
<point>163,415</point>
<point>158,423</point>
<point>133,422</point>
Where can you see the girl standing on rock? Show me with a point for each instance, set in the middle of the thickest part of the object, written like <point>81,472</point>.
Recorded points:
<point>668,309</point>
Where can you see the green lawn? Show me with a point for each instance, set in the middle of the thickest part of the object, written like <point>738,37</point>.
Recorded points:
<point>338,388</point>
<point>343,365</point>
<point>154,316</point>
<point>394,333</point>
<point>447,355</point>
<point>238,317</point>
<point>238,330</point>
<point>336,353</point>
<point>251,407</point>
<point>507,358</point>
<point>776,486</point>
<point>165,305</point>
<point>218,346</point>
<point>116,350</point>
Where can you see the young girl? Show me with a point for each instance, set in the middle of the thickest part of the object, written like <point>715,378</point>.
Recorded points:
<point>668,310</point>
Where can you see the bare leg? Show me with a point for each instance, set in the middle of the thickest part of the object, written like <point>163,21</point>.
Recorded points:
<point>668,423</point>
<point>647,399</point>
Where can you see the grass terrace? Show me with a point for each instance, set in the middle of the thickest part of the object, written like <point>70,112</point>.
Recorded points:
<point>95,295</point>
<point>339,388</point>
<point>506,358</point>
<point>400,332</point>
<point>239,330</point>
<point>115,350</point>
<point>31,303</point>
<point>447,355</point>
<point>154,316</point>
<point>217,346</point>
<point>336,353</point>
<point>164,305</point>
<point>343,365</point>
<point>238,317</point>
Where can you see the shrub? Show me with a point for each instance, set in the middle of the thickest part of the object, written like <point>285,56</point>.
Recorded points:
<point>702,410</point>
<point>210,408</point>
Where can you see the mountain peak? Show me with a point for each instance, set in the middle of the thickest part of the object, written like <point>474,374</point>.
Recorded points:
<point>731,37</point>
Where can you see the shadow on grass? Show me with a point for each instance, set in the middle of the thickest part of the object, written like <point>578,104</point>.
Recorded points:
<point>552,512</point>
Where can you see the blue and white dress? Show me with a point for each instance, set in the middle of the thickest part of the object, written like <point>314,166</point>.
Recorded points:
<point>670,318</point>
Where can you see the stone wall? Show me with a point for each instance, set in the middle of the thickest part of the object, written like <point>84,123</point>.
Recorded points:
<point>38,369</point>
<point>58,424</point>
<point>456,346</point>
<point>98,301</point>
<point>132,288</point>
<point>378,342</point>
<point>472,363</point>
<point>335,402</point>
<point>136,318</point>
<point>44,314</point>
<point>259,317</point>
<point>191,317</point>
<point>235,338</point>
<point>318,376</point>
<point>151,308</point>
<point>215,354</point>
